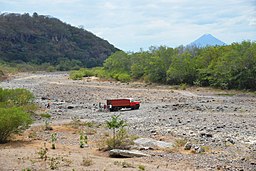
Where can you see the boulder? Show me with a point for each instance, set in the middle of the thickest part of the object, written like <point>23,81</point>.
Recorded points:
<point>127,153</point>
<point>188,146</point>
<point>71,107</point>
<point>148,143</point>
<point>197,149</point>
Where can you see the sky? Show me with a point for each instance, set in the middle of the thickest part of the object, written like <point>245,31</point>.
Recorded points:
<point>133,25</point>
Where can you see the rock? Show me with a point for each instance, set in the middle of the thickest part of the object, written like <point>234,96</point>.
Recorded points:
<point>84,145</point>
<point>126,153</point>
<point>70,107</point>
<point>153,131</point>
<point>200,150</point>
<point>188,146</point>
<point>197,149</point>
<point>207,135</point>
<point>45,98</point>
<point>230,140</point>
<point>151,143</point>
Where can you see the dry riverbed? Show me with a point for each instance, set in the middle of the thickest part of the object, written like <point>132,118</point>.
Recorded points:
<point>222,123</point>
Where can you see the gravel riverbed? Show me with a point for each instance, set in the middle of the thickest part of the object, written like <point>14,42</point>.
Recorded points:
<point>222,121</point>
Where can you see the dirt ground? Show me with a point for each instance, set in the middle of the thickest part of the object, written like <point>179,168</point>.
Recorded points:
<point>221,122</point>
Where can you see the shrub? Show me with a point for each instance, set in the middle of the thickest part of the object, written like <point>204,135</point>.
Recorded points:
<point>43,152</point>
<point>53,140</point>
<point>12,120</point>
<point>76,75</point>
<point>141,167</point>
<point>124,77</point>
<point>183,86</point>
<point>15,97</point>
<point>50,69</point>
<point>54,163</point>
<point>115,123</point>
<point>180,142</point>
<point>83,140</point>
<point>121,141</point>
<point>86,72</point>
<point>83,72</point>
<point>100,72</point>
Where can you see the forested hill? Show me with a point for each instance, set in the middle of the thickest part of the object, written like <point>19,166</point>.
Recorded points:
<point>39,39</point>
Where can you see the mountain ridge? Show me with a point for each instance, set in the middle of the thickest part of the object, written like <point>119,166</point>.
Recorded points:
<point>39,39</point>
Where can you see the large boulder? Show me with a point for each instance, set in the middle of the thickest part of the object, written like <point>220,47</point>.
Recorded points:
<point>127,153</point>
<point>148,143</point>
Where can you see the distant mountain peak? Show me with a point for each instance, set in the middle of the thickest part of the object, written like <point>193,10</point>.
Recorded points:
<point>207,40</point>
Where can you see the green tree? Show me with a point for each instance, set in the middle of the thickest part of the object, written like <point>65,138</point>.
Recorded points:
<point>182,70</point>
<point>118,62</point>
<point>114,124</point>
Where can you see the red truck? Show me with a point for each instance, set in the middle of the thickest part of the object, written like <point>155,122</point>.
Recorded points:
<point>117,104</point>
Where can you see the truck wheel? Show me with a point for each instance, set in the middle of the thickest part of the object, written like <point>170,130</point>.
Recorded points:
<point>137,106</point>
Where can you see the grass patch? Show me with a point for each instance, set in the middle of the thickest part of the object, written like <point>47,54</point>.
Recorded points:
<point>226,94</point>
<point>87,162</point>
<point>124,164</point>
<point>180,142</point>
<point>141,167</point>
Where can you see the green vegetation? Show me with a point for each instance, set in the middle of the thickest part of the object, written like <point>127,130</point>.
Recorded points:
<point>141,167</point>
<point>54,163</point>
<point>120,139</point>
<point>53,140</point>
<point>12,120</point>
<point>226,67</point>
<point>43,153</point>
<point>79,74</point>
<point>44,41</point>
<point>15,109</point>
<point>83,140</point>
<point>15,97</point>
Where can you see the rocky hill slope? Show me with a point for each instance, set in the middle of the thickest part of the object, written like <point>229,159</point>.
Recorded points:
<point>39,39</point>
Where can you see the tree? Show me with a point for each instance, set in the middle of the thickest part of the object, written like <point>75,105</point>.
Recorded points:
<point>118,62</point>
<point>182,70</point>
<point>41,39</point>
<point>114,124</point>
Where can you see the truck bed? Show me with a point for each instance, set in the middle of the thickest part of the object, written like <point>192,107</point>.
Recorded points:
<point>119,102</point>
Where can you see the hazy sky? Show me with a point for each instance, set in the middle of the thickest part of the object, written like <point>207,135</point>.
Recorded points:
<point>134,24</point>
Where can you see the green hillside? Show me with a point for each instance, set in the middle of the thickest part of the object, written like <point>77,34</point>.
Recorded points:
<point>40,39</point>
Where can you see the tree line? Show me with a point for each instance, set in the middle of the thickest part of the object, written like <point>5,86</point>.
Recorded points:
<point>226,67</point>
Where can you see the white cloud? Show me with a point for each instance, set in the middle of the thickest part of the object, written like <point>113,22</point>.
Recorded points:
<point>252,22</point>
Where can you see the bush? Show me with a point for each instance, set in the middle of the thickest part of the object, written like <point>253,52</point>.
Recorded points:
<point>12,120</point>
<point>86,72</point>
<point>15,97</point>
<point>124,77</point>
<point>50,69</point>
<point>78,75</point>
<point>122,140</point>
<point>100,72</point>
<point>15,106</point>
